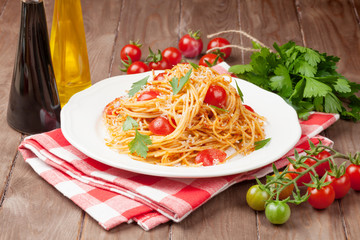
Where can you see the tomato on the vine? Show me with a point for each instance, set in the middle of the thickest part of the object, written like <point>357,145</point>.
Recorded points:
<point>341,185</point>
<point>220,42</point>
<point>161,126</point>
<point>216,96</point>
<point>277,212</point>
<point>321,198</point>
<point>210,59</point>
<point>303,179</point>
<point>323,167</point>
<point>256,198</point>
<point>148,95</point>
<point>131,50</point>
<point>172,55</point>
<point>137,67</point>
<point>353,171</point>
<point>209,157</point>
<point>191,44</point>
<point>287,191</point>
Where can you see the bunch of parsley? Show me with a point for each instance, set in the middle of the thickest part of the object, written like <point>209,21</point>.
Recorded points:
<point>305,78</point>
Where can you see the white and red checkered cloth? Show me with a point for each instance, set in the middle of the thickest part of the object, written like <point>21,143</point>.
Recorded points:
<point>113,196</point>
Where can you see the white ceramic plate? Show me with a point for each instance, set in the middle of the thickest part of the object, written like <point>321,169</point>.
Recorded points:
<point>82,126</point>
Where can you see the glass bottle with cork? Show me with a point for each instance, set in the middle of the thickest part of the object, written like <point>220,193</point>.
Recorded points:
<point>68,49</point>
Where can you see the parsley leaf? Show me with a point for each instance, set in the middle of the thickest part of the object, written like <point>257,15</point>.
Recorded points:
<point>139,144</point>
<point>176,85</point>
<point>240,69</point>
<point>194,65</point>
<point>221,109</point>
<point>281,81</point>
<point>261,144</point>
<point>129,124</point>
<point>136,86</point>
<point>314,88</point>
<point>240,92</point>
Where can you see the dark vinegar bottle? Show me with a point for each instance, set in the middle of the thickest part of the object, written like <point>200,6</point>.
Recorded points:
<point>34,104</point>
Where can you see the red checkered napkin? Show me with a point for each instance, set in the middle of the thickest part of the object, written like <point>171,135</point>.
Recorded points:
<point>114,196</point>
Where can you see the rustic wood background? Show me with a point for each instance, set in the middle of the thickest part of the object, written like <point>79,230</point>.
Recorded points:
<point>31,209</point>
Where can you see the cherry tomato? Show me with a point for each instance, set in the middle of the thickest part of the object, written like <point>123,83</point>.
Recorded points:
<point>211,58</point>
<point>209,157</point>
<point>161,126</point>
<point>160,77</point>
<point>216,96</point>
<point>148,95</point>
<point>277,212</point>
<point>303,179</point>
<point>160,65</point>
<point>172,55</point>
<point>287,191</point>
<point>321,198</point>
<point>249,108</point>
<point>132,50</point>
<point>354,174</point>
<point>322,168</point>
<point>137,67</point>
<point>341,185</point>
<point>191,45</point>
<point>220,42</point>
<point>256,198</point>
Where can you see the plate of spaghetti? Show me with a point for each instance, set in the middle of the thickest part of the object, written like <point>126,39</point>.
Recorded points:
<point>186,122</point>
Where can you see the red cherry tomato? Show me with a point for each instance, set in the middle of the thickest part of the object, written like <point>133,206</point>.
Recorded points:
<point>303,179</point>
<point>191,45</point>
<point>160,65</point>
<point>172,55</point>
<point>132,50</point>
<point>322,168</point>
<point>354,174</point>
<point>321,198</point>
<point>148,95</point>
<point>210,58</point>
<point>160,77</point>
<point>216,96</point>
<point>209,157</point>
<point>137,67</point>
<point>341,185</point>
<point>161,126</point>
<point>249,108</point>
<point>220,42</point>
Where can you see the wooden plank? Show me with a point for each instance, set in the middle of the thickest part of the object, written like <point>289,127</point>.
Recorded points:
<point>226,216</point>
<point>151,25</point>
<point>269,22</point>
<point>9,32</point>
<point>33,209</point>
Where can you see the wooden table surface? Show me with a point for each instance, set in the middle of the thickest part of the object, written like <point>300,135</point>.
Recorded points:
<point>31,209</point>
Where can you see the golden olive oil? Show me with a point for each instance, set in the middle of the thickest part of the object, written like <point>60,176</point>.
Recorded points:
<point>68,49</point>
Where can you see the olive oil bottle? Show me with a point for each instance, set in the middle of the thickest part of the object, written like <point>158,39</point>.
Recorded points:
<point>68,49</point>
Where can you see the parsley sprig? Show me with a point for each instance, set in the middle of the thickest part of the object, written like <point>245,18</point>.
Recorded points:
<point>140,142</point>
<point>305,78</point>
<point>178,85</point>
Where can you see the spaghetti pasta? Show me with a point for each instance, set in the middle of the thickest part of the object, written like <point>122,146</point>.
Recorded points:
<point>196,125</point>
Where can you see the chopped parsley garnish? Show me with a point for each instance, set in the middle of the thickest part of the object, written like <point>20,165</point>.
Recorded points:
<point>261,144</point>
<point>136,86</point>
